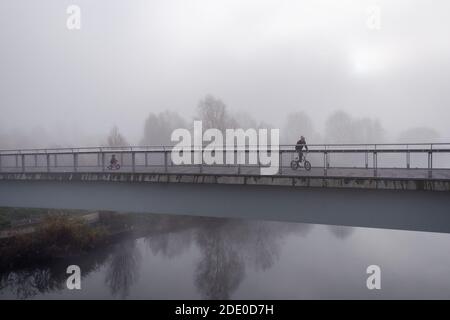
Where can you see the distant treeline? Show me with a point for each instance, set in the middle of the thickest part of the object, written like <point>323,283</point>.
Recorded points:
<point>340,127</point>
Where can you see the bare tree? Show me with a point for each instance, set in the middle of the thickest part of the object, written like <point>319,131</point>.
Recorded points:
<point>244,120</point>
<point>159,127</point>
<point>342,128</point>
<point>339,129</point>
<point>369,130</point>
<point>116,139</point>
<point>213,113</point>
<point>298,124</point>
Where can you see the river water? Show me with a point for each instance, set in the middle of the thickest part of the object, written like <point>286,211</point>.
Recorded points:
<point>182,257</point>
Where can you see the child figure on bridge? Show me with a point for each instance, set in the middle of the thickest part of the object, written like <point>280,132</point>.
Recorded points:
<point>113,160</point>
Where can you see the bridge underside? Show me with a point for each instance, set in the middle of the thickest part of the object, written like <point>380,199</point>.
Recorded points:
<point>392,209</point>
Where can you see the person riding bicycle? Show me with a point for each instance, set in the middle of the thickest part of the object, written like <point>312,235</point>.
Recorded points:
<point>299,147</point>
<point>113,161</point>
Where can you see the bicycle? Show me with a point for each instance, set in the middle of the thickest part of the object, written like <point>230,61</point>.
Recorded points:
<point>113,166</point>
<point>296,163</point>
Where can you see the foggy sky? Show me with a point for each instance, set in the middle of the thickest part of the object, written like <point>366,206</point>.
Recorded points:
<point>267,57</point>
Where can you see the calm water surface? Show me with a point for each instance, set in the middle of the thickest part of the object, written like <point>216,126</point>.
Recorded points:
<point>202,258</point>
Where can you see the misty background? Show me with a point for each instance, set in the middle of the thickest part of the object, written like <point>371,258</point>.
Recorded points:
<point>137,70</point>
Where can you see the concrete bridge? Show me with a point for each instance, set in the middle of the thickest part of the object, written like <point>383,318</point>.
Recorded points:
<point>384,186</point>
<point>382,166</point>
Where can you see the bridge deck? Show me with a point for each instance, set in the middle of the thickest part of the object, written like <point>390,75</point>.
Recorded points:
<point>396,173</point>
<point>421,166</point>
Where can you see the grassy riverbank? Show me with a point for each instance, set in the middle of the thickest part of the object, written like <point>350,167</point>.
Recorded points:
<point>55,236</point>
<point>11,217</point>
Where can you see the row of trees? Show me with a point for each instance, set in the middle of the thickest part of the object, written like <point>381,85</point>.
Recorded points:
<point>340,127</point>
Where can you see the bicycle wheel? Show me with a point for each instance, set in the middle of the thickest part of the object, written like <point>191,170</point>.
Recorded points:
<point>294,165</point>
<point>307,165</point>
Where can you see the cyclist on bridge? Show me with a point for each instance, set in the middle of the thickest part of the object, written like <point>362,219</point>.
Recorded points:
<point>113,160</point>
<point>299,147</point>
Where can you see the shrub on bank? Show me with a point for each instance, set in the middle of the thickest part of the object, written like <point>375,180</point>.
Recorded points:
<point>56,236</point>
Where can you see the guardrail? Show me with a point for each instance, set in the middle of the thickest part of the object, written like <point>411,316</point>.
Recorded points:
<point>144,158</point>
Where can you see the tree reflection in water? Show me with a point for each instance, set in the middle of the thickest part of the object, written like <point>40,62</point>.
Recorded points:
<point>221,267</point>
<point>123,268</point>
<point>170,244</point>
<point>228,247</point>
<point>28,283</point>
<point>41,279</point>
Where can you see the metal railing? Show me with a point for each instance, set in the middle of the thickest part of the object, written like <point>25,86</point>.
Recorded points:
<point>430,157</point>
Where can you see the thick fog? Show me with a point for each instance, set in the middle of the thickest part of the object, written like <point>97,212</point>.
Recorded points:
<point>313,67</point>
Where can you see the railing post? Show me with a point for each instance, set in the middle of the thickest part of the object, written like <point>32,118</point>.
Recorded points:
<point>146,159</point>
<point>430,163</point>
<point>75,161</point>
<point>201,160</point>
<point>367,159</point>
<point>133,161</point>
<point>48,162</point>
<point>23,163</point>
<point>375,163</point>
<point>408,159</point>
<point>103,160</point>
<point>17,160</point>
<point>35,160</point>
<point>258,163</point>
<point>0,162</point>
<point>325,169</point>
<point>165,159</point>
<point>280,160</point>
<point>236,152</point>
<point>55,156</point>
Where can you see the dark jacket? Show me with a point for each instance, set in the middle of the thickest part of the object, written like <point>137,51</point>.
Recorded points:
<point>300,144</point>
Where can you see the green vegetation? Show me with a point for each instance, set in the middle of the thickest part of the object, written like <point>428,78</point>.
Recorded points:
<point>4,222</point>
<point>57,236</point>
<point>11,216</point>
